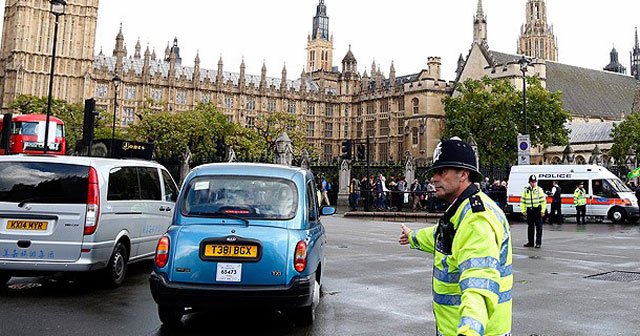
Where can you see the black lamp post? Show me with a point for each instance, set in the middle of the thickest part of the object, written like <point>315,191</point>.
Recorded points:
<point>57,9</point>
<point>116,83</point>
<point>524,64</point>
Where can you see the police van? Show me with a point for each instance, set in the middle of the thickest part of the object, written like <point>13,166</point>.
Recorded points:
<point>607,196</point>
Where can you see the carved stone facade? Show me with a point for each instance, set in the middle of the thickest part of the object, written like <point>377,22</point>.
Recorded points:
<point>536,35</point>
<point>401,114</point>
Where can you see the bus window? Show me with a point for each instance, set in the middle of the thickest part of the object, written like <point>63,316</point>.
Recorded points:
<point>29,128</point>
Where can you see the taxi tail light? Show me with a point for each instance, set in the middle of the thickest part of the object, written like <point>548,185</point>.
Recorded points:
<point>162,252</point>
<point>300,256</point>
<point>93,203</point>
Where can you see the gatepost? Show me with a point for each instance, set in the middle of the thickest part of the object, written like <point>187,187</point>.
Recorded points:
<point>344,181</point>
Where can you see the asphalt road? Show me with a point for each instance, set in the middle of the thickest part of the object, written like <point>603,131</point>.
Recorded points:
<point>373,286</point>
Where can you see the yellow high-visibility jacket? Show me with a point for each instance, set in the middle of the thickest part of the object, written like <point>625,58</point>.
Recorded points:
<point>472,282</point>
<point>532,198</point>
<point>580,197</point>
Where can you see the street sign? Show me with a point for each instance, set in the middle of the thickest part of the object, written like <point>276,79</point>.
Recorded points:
<point>524,149</point>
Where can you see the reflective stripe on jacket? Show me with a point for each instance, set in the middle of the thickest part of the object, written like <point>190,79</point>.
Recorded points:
<point>472,286</point>
<point>533,198</point>
<point>580,197</point>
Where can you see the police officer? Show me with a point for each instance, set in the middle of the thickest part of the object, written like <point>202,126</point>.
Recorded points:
<point>533,204</point>
<point>580,201</point>
<point>472,275</point>
<point>556,204</point>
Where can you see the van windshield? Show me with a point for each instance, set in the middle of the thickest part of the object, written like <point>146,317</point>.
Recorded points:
<point>241,196</point>
<point>43,182</point>
<point>618,185</point>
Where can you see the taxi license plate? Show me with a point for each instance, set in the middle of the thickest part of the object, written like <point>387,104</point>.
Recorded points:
<point>231,251</point>
<point>27,225</point>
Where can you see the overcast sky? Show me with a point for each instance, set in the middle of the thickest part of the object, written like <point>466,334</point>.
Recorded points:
<point>403,31</point>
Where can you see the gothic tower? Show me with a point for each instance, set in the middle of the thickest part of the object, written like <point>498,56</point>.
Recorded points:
<point>25,55</point>
<point>635,58</point>
<point>320,43</point>
<point>480,25</point>
<point>536,36</point>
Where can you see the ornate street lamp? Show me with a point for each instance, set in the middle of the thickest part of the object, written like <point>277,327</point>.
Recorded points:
<point>524,64</point>
<point>116,83</point>
<point>57,9</point>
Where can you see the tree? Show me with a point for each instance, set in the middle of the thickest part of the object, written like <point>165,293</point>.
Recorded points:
<point>269,126</point>
<point>626,136</point>
<point>490,111</point>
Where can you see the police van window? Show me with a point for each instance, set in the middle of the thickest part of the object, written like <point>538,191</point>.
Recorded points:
<point>546,185</point>
<point>149,184</point>
<point>570,186</point>
<point>618,186</point>
<point>123,184</point>
<point>170,190</point>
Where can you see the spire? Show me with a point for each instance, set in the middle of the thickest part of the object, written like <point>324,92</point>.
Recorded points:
<point>320,23</point>
<point>263,76</point>
<point>392,75</point>
<point>635,58</point>
<point>283,80</point>
<point>480,25</point>
<point>176,50</point>
<point>303,81</point>
<point>197,60</point>
<point>537,39</point>
<point>243,67</point>
<point>196,69</point>
<point>614,64</point>
<point>153,54</point>
<point>220,74</point>
<point>167,52</point>
<point>138,48</point>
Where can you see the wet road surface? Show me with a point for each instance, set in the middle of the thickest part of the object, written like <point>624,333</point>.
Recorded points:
<point>372,286</point>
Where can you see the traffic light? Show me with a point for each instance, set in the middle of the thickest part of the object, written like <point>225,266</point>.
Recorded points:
<point>221,149</point>
<point>361,153</point>
<point>88,124</point>
<point>347,148</point>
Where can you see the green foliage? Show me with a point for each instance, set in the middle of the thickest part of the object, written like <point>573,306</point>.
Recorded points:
<point>626,136</point>
<point>269,126</point>
<point>490,111</point>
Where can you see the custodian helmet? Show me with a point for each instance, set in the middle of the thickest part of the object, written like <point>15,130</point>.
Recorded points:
<point>455,153</point>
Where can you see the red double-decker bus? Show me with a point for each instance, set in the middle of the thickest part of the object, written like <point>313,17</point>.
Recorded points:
<point>28,132</point>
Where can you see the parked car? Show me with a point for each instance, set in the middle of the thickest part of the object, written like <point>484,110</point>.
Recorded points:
<point>77,214</point>
<point>243,236</point>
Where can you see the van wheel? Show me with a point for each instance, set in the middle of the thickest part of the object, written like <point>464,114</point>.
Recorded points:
<point>4,278</point>
<point>633,220</point>
<point>169,316</point>
<point>304,316</point>
<point>617,215</point>
<point>117,266</point>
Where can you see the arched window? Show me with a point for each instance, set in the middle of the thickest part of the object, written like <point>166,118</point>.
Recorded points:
<point>414,136</point>
<point>415,103</point>
<point>580,160</point>
<point>556,160</point>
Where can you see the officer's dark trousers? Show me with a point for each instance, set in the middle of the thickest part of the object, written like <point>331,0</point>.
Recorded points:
<point>556,213</point>
<point>534,220</point>
<point>581,214</point>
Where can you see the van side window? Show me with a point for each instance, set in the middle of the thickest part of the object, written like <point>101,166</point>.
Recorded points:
<point>170,189</point>
<point>149,184</point>
<point>123,184</point>
<point>602,188</point>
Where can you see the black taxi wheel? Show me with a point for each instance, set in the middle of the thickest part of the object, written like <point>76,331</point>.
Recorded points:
<point>304,316</point>
<point>170,316</point>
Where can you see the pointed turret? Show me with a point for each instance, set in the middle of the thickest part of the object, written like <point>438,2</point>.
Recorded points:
<point>320,42</point>
<point>635,58</point>
<point>614,64</point>
<point>196,68</point>
<point>263,76</point>
<point>243,68</point>
<point>283,80</point>
<point>392,76</point>
<point>167,52</point>
<point>480,25</point>
<point>153,55</point>
<point>220,73</point>
<point>137,54</point>
<point>119,52</point>
<point>537,39</point>
<point>176,50</point>
<point>303,82</point>
<point>349,63</point>
<point>147,62</point>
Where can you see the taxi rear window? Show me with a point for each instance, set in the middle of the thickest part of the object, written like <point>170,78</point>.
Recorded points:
<point>43,182</point>
<point>242,196</point>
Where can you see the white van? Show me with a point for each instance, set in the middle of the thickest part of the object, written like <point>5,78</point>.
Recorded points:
<point>75,214</point>
<point>607,196</point>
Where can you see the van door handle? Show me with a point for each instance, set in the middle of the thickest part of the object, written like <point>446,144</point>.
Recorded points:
<point>165,208</point>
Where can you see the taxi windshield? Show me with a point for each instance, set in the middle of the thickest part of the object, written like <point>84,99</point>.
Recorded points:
<point>240,196</point>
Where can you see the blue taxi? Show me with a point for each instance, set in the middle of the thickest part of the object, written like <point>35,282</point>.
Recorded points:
<point>243,236</point>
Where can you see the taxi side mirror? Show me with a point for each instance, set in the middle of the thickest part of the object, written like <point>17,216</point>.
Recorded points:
<point>327,211</point>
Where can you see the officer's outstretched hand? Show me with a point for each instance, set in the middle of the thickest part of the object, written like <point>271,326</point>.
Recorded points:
<point>404,237</point>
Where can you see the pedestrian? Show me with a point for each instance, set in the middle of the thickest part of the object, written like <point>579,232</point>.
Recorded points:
<point>556,204</point>
<point>365,192</point>
<point>472,274</point>
<point>416,192</point>
<point>580,201</point>
<point>324,188</point>
<point>533,204</point>
<point>354,194</point>
<point>401,187</point>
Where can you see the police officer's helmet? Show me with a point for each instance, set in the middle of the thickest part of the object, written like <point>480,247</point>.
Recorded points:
<point>533,178</point>
<point>455,153</point>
